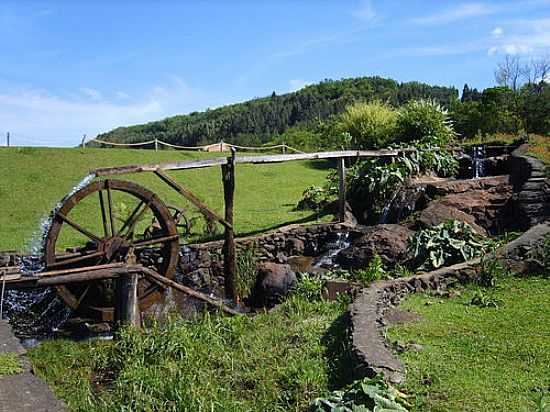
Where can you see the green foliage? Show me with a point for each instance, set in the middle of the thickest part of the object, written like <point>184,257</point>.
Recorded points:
<point>424,121</point>
<point>316,197</point>
<point>370,125</point>
<point>483,300</point>
<point>310,287</point>
<point>9,364</point>
<point>472,356</point>
<point>246,270</point>
<point>276,361</point>
<point>265,119</point>
<point>445,244</point>
<point>366,395</point>
<point>492,268</point>
<point>373,272</point>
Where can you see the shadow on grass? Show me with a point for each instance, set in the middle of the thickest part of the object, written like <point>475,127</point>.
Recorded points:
<point>337,340</point>
<point>321,164</point>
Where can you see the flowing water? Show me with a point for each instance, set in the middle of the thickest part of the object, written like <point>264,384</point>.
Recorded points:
<point>328,259</point>
<point>38,313</point>
<point>478,161</point>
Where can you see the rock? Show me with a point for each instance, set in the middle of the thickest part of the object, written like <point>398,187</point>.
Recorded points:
<point>295,246</point>
<point>436,214</point>
<point>387,241</point>
<point>442,187</point>
<point>273,284</point>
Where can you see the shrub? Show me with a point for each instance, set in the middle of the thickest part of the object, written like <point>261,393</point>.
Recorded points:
<point>445,244</point>
<point>368,394</point>
<point>370,125</point>
<point>310,287</point>
<point>246,271</point>
<point>424,121</point>
<point>373,272</point>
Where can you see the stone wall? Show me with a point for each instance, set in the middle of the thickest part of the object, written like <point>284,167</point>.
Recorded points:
<point>532,189</point>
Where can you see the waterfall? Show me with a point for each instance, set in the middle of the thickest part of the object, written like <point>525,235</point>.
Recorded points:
<point>478,161</point>
<point>326,260</point>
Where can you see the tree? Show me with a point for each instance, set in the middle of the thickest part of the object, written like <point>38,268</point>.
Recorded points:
<point>509,72</point>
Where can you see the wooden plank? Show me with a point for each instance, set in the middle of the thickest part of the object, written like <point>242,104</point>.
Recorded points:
<point>341,189</point>
<point>154,276</point>
<point>229,263</point>
<point>191,197</point>
<point>218,161</point>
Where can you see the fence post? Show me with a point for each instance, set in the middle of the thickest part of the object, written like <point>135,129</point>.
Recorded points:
<point>284,148</point>
<point>8,139</point>
<point>229,255</point>
<point>156,144</point>
<point>83,143</point>
<point>341,189</point>
<point>126,299</point>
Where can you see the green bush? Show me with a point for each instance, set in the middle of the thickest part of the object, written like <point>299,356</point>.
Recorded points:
<point>370,125</point>
<point>445,244</point>
<point>373,272</point>
<point>424,121</point>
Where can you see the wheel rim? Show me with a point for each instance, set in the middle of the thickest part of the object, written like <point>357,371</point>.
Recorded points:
<point>158,249</point>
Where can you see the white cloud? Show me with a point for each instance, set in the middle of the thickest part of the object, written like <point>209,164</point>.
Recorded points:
<point>91,93</point>
<point>523,37</point>
<point>366,11</point>
<point>497,32</point>
<point>459,12</point>
<point>37,117</point>
<point>122,95</point>
<point>297,84</point>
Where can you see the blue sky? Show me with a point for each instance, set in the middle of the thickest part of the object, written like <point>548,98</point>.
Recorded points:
<point>75,67</point>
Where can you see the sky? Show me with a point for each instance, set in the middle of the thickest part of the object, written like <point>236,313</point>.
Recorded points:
<point>70,68</point>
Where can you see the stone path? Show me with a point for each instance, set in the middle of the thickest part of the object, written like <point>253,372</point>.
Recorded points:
<point>23,392</point>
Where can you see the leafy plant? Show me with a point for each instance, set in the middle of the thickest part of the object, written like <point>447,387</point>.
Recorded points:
<point>373,272</point>
<point>492,268</point>
<point>246,270</point>
<point>368,125</point>
<point>367,395</point>
<point>310,287</point>
<point>9,364</point>
<point>445,244</point>
<point>482,300</point>
<point>316,198</point>
<point>424,121</point>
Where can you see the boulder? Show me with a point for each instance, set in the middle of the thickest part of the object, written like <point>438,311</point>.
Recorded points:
<point>388,241</point>
<point>273,283</point>
<point>436,214</point>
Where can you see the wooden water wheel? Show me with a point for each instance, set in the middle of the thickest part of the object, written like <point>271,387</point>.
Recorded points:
<point>111,221</point>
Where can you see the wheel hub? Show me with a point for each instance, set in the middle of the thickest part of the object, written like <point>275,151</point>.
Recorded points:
<point>114,247</point>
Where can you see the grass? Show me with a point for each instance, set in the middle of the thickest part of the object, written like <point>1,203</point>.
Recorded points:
<point>479,359</point>
<point>9,364</point>
<point>33,180</point>
<point>270,362</point>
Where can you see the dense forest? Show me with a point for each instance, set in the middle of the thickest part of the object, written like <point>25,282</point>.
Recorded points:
<point>519,103</point>
<point>262,120</point>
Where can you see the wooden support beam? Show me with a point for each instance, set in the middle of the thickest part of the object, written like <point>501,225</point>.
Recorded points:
<point>229,255</point>
<point>126,303</point>
<point>154,276</point>
<point>191,197</point>
<point>217,161</point>
<point>341,189</point>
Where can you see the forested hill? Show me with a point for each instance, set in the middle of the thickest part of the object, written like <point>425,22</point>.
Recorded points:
<point>258,121</point>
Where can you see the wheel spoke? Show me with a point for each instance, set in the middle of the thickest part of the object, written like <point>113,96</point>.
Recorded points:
<point>153,241</point>
<point>76,226</point>
<point>131,217</point>
<point>83,295</point>
<point>110,200</point>
<point>103,214</point>
<point>76,259</point>
<point>135,220</point>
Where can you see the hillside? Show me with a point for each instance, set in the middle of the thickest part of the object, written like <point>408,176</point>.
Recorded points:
<point>35,179</point>
<point>257,121</point>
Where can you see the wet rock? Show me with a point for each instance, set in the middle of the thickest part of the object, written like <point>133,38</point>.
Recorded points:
<point>387,241</point>
<point>273,284</point>
<point>436,214</point>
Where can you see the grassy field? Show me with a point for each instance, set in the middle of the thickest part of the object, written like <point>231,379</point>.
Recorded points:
<point>33,180</point>
<point>276,361</point>
<point>479,359</point>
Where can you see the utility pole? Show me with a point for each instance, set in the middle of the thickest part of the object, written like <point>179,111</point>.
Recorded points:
<point>8,139</point>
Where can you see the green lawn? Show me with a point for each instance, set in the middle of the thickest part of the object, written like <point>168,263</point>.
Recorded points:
<point>276,361</point>
<point>479,359</point>
<point>32,180</point>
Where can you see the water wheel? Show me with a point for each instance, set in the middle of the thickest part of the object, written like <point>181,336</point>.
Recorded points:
<point>109,221</point>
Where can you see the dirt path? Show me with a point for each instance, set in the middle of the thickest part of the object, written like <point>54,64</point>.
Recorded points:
<point>23,392</point>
